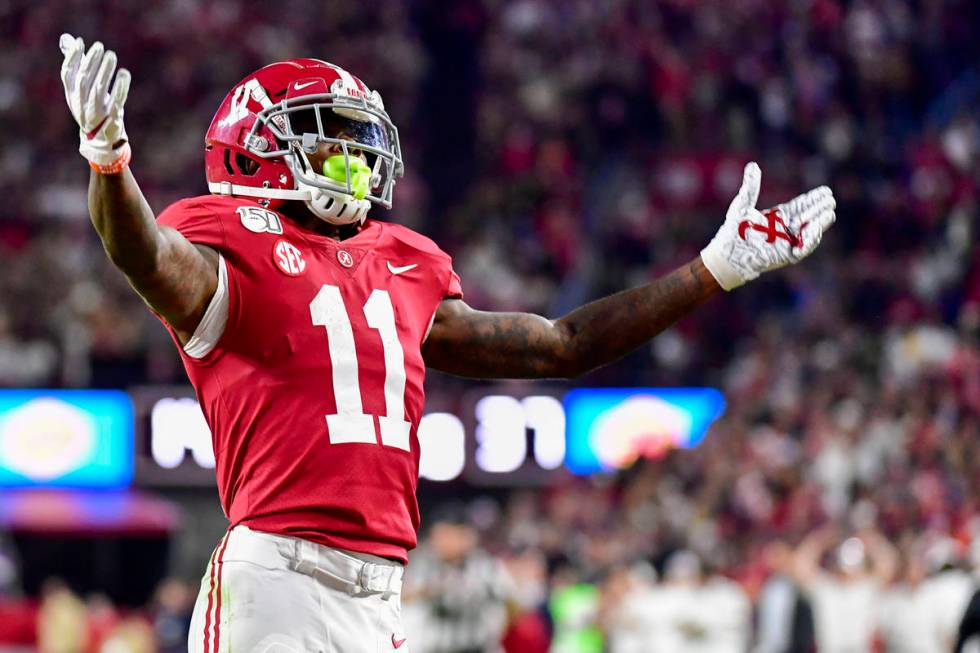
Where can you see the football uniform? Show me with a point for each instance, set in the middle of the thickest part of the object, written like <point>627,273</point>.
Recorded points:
<point>308,367</point>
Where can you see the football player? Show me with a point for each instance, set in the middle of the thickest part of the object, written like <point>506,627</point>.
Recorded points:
<point>306,327</point>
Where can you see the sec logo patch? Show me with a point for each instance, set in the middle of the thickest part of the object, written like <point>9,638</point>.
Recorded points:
<point>288,258</point>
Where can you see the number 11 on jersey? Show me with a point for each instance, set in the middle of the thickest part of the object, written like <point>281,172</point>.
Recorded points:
<point>350,423</point>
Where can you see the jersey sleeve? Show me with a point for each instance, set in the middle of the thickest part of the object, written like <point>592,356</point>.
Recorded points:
<point>199,223</point>
<point>442,263</point>
<point>455,288</point>
<point>196,222</point>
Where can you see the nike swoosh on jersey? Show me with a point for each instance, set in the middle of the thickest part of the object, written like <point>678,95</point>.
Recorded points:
<point>397,643</point>
<point>404,268</point>
<point>300,87</point>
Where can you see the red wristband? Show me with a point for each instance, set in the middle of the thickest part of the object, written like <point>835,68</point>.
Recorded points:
<point>114,168</point>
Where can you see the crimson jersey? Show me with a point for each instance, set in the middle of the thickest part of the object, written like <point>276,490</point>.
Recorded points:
<point>314,391</point>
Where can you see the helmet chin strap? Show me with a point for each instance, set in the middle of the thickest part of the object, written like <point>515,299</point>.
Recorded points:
<point>331,206</point>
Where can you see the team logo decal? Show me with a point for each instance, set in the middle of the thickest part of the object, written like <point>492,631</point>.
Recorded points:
<point>259,220</point>
<point>345,259</point>
<point>239,102</point>
<point>775,229</point>
<point>401,269</point>
<point>288,258</point>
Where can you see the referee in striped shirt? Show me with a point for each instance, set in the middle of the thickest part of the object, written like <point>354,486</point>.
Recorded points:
<point>456,594</point>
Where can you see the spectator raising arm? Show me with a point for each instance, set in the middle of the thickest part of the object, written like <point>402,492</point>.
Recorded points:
<point>806,560</point>
<point>883,557</point>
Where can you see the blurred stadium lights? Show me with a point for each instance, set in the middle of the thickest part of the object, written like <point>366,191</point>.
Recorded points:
<point>546,417</point>
<point>177,425</point>
<point>503,424</point>
<point>442,439</point>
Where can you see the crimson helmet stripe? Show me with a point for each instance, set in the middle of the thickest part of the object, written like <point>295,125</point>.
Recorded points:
<point>347,79</point>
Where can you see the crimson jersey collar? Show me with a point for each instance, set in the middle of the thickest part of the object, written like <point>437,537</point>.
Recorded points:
<point>365,239</point>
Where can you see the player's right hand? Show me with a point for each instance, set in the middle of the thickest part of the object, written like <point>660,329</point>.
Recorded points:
<point>751,242</point>
<point>97,108</point>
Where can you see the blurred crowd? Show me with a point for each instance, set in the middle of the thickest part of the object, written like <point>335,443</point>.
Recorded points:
<point>61,621</point>
<point>559,150</point>
<point>823,507</point>
<point>563,149</point>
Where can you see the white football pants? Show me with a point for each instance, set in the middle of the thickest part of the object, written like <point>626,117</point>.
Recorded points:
<point>265,593</point>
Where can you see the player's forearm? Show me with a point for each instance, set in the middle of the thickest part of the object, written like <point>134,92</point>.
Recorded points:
<point>609,328</point>
<point>125,222</point>
<point>523,346</point>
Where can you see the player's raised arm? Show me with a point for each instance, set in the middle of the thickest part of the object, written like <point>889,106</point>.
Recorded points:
<point>474,343</point>
<point>175,277</point>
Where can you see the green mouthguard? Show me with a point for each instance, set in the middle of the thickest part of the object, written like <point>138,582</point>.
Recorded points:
<point>360,174</point>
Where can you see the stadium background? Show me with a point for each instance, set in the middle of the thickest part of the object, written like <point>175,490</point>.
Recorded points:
<point>561,150</point>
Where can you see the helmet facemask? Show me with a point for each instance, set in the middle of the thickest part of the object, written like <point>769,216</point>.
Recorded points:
<point>339,207</point>
<point>343,191</point>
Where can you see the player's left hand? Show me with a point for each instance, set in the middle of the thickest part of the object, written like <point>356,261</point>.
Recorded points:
<point>96,107</point>
<point>751,242</point>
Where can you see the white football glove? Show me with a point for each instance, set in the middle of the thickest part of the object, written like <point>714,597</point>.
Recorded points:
<point>752,242</point>
<point>97,109</point>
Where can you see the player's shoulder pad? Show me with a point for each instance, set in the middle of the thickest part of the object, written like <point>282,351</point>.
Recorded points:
<point>201,219</point>
<point>413,244</point>
<point>414,240</point>
<point>213,206</point>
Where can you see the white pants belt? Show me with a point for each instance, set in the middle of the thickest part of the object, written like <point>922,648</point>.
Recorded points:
<point>311,559</point>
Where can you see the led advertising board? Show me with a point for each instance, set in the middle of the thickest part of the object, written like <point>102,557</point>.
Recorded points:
<point>66,438</point>
<point>486,437</point>
<point>610,428</point>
